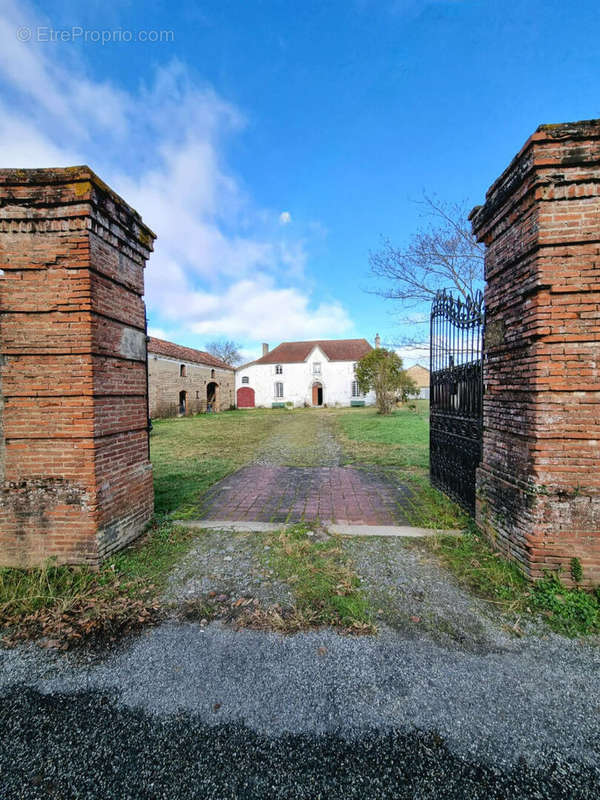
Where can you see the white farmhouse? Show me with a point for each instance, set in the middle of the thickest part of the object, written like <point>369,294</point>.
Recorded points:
<point>319,373</point>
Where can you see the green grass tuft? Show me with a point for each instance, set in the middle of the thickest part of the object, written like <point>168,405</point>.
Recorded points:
<point>572,612</point>
<point>323,581</point>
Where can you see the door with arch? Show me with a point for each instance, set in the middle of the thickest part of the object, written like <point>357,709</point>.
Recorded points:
<point>317,394</point>
<point>245,397</point>
<point>212,397</point>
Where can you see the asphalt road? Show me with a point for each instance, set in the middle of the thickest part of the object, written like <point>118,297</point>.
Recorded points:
<point>182,712</point>
<point>84,746</point>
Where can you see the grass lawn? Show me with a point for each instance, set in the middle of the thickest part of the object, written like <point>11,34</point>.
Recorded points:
<point>398,444</point>
<point>399,440</point>
<point>189,454</point>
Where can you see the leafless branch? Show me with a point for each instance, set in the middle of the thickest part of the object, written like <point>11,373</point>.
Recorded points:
<point>442,255</point>
<point>225,349</point>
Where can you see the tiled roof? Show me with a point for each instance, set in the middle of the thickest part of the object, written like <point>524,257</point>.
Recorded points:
<point>334,349</point>
<point>161,348</point>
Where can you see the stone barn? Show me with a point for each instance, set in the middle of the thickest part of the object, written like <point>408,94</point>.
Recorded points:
<point>420,375</point>
<point>184,381</point>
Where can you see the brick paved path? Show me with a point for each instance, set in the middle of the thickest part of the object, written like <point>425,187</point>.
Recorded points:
<point>273,493</point>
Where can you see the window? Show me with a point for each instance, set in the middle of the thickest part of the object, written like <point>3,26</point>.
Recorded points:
<point>354,366</point>
<point>279,389</point>
<point>197,395</point>
<point>278,370</point>
<point>316,367</point>
<point>245,379</point>
<point>182,370</point>
<point>355,389</point>
<point>212,373</point>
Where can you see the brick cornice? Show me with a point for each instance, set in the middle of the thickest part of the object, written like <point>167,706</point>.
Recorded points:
<point>551,147</point>
<point>70,198</point>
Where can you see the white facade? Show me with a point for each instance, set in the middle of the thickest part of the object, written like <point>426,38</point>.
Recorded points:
<point>293,383</point>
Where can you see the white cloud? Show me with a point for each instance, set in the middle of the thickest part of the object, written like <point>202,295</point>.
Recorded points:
<point>158,333</point>
<point>253,309</point>
<point>221,265</point>
<point>414,354</point>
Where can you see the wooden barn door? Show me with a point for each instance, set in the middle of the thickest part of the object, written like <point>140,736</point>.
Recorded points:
<point>245,397</point>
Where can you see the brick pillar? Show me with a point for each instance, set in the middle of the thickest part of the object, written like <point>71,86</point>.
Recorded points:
<point>75,477</point>
<point>538,487</point>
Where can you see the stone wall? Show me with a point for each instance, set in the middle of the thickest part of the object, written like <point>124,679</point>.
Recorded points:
<point>165,384</point>
<point>77,479</point>
<point>538,486</point>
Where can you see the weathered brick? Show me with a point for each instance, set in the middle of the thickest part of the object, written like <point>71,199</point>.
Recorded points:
<point>75,478</point>
<point>538,486</point>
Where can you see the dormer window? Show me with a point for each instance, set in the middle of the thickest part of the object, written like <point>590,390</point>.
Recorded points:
<point>278,369</point>
<point>182,371</point>
<point>316,367</point>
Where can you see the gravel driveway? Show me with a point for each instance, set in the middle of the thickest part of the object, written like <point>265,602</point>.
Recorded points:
<point>191,712</point>
<point>302,440</point>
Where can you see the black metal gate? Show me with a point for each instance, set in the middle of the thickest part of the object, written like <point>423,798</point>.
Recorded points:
<point>456,393</point>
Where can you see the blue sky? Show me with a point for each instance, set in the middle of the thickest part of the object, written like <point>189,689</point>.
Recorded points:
<point>271,144</point>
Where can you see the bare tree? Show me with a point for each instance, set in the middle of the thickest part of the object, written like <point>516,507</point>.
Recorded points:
<point>441,255</point>
<point>225,349</point>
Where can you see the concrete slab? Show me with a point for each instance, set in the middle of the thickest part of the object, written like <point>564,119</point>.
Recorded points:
<point>343,529</point>
<point>387,530</point>
<point>231,525</point>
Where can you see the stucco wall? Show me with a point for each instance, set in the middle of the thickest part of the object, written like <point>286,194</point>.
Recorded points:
<point>336,378</point>
<point>165,384</point>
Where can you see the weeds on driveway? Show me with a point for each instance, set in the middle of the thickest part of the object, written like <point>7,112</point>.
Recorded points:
<point>326,588</point>
<point>319,584</point>
<point>482,570</point>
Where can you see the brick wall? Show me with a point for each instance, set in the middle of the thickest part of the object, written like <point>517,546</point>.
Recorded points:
<point>538,486</point>
<point>165,384</point>
<point>76,481</point>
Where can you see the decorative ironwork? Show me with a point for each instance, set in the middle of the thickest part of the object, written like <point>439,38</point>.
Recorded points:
<point>456,395</point>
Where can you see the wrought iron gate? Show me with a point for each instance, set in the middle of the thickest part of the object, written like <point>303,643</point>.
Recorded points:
<point>456,394</point>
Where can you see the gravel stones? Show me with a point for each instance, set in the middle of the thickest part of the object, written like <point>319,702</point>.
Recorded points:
<point>521,718</point>
<point>227,564</point>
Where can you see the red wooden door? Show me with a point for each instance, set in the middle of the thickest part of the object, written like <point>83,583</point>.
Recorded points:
<point>317,396</point>
<point>245,397</point>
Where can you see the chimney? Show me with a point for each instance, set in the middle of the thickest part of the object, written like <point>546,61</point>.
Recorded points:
<point>377,340</point>
<point>265,348</point>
